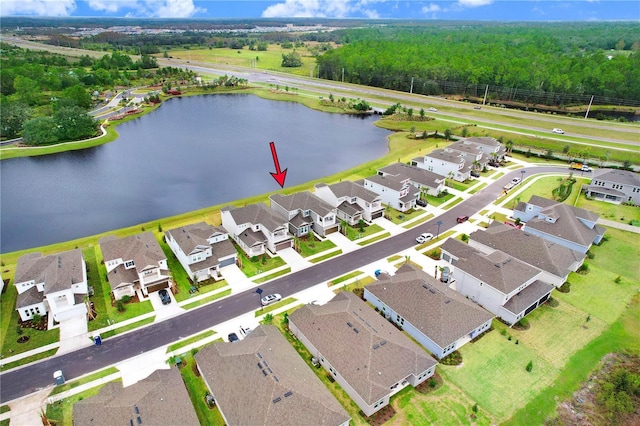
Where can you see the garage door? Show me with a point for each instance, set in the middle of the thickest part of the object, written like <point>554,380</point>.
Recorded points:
<point>377,215</point>
<point>157,287</point>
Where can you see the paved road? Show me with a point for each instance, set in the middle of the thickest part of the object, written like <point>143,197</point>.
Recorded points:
<point>28,379</point>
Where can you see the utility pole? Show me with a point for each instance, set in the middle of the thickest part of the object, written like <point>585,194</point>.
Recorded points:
<point>589,107</point>
<point>311,71</point>
<point>486,90</point>
<point>343,75</point>
<point>411,89</point>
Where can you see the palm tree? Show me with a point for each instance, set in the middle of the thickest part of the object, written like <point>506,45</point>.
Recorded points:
<point>343,227</point>
<point>509,146</point>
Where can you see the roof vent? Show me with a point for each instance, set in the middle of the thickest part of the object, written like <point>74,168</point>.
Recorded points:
<point>276,400</point>
<point>139,420</point>
<point>259,355</point>
<point>376,346</point>
<point>447,301</point>
<point>136,409</point>
<point>349,324</point>
<point>384,342</point>
<point>288,394</point>
<point>432,291</point>
<point>356,330</point>
<point>260,366</point>
<point>276,378</point>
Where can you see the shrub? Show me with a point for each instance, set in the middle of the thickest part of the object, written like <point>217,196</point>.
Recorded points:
<point>268,319</point>
<point>565,288</point>
<point>432,382</point>
<point>126,299</point>
<point>254,258</point>
<point>523,323</point>
<point>503,331</point>
<point>583,269</point>
<point>120,306</point>
<point>529,366</point>
<point>159,228</point>
<point>618,279</point>
<point>553,302</point>
<point>465,237</point>
<point>474,408</point>
<point>19,330</point>
<point>590,255</point>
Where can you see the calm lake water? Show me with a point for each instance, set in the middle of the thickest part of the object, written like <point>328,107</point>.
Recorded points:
<point>191,153</point>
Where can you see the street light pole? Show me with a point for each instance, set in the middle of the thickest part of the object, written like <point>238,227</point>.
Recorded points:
<point>438,223</point>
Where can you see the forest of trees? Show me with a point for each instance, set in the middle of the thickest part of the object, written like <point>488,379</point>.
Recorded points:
<point>587,59</point>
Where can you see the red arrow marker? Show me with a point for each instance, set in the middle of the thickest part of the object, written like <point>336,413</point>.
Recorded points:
<point>279,176</point>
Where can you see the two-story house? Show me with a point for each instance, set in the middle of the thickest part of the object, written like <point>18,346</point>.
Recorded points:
<point>352,201</point>
<point>445,163</point>
<point>306,212</point>
<point>135,265</point>
<point>505,286</point>
<point>55,284</point>
<point>572,227</point>
<point>491,147</point>
<point>616,186</point>
<point>202,249</point>
<point>261,380</point>
<point>395,191</point>
<point>439,318</point>
<point>426,181</point>
<point>554,260</point>
<point>366,354</point>
<point>472,153</point>
<point>257,228</point>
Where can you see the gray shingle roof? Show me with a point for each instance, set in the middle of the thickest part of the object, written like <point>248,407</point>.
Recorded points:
<point>350,335</point>
<point>441,154</point>
<point>195,235</point>
<point>484,140</point>
<point>257,214</point>
<point>352,189</point>
<point>415,174</point>
<point>302,201</point>
<point>567,226</point>
<point>57,271</point>
<point>160,399</point>
<point>142,248</point>
<point>438,312</point>
<point>29,297</point>
<point>622,177</point>
<point>463,146</point>
<point>499,270</point>
<point>531,249</point>
<point>394,182</point>
<point>261,380</point>
<point>528,296</point>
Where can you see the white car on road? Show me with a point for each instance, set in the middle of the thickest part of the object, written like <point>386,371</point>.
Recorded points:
<point>424,237</point>
<point>270,298</point>
<point>558,131</point>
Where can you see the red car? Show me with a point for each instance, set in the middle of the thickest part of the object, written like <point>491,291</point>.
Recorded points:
<point>462,219</point>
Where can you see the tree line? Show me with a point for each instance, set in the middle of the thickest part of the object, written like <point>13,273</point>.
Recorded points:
<point>562,58</point>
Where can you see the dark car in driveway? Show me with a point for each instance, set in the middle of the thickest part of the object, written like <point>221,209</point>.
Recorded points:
<point>164,296</point>
<point>421,203</point>
<point>475,174</point>
<point>232,337</point>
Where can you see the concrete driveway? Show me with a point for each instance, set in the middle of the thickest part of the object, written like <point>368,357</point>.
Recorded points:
<point>164,311</point>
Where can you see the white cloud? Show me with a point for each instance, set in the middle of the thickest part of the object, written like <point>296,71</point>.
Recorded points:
<point>37,7</point>
<point>321,9</point>
<point>148,8</point>
<point>474,3</point>
<point>431,8</point>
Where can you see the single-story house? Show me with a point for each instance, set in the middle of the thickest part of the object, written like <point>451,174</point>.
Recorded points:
<point>261,380</point>
<point>572,227</point>
<point>366,354</point>
<point>160,399</point>
<point>55,284</point>
<point>554,260</point>
<point>202,249</point>
<point>135,265</point>
<point>505,286</point>
<point>437,317</point>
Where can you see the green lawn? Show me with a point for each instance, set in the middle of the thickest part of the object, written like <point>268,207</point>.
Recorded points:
<point>207,299</point>
<point>128,327</point>
<point>180,276</point>
<point>189,340</point>
<point>272,276</point>
<point>493,374</point>
<point>399,217</point>
<point>274,306</point>
<point>608,210</point>
<point>62,411</point>
<point>436,201</point>
<point>197,390</point>
<point>326,256</point>
<point>374,239</point>
<point>100,287</point>
<point>544,186</point>
<point>86,379</point>
<point>310,246</point>
<point>344,277</point>
<point>353,233</point>
<point>258,264</point>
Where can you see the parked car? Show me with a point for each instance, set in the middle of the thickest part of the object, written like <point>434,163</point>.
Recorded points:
<point>558,131</point>
<point>164,296</point>
<point>493,163</point>
<point>432,109</point>
<point>421,203</point>
<point>243,331</point>
<point>462,219</point>
<point>270,298</point>
<point>475,173</point>
<point>233,337</point>
<point>424,237</point>
<point>515,181</point>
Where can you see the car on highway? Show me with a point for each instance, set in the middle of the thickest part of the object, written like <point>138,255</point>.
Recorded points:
<point>462,219</point>
<point>432,109</point>
<point>164,296</point>
<point>270,298</point>
<point>424,237</point>
<point>558,131</point>
<point>477,107</point>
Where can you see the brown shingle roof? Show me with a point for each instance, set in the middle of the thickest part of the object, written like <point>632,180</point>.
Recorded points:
<point>351,189</point>
<point>415,174</point>
<point>261,380</point>
<point>160,399</point>
<point>438,312</point>
<point>567,225</point>
<point>142,248</point>
<point>363,347</point>
<point>527,297</point>
<point>499,270</point>
<point>57,271</point>
<point>196,235</point>
<point>531,249</point>
<point>394,182</point>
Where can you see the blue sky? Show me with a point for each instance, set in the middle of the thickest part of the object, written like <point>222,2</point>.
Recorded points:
<point>499,10</point>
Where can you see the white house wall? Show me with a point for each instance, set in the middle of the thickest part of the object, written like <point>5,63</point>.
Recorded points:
<point>27,312</point>
<point>479,292</point>
<point>180,255</point>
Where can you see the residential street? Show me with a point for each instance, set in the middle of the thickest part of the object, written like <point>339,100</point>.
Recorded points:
<point>33,377</point>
